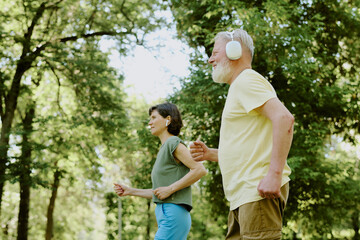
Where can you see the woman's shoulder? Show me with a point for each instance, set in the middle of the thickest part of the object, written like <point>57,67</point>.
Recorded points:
<point>173,141</point>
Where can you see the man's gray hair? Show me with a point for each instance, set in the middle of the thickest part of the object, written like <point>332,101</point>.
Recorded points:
<point>238,35</point>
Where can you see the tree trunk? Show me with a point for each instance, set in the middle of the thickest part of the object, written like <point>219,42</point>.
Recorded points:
<point>24,178</point>
<point>294,235</point>
<point>23,221</point>
<point>51,207</point>
<point>119,218</point>
<point>149,220</point>
<point>355,223</point>
<point>7,119</point>
<point>6,230</point>
<point>26,59</point>
<point>25,62</point>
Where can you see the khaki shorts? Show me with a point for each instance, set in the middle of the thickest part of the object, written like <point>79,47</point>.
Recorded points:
<point>258,220</point>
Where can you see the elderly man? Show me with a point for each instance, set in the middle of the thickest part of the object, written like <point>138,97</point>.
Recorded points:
<point>255,138</point>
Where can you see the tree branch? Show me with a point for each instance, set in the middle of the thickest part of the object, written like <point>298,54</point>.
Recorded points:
<point>40,11</point>
<point>28,34</point>
<point>125,15</point>
<point>90,20</point>
<point>21,117</point>
<point>39,49</point>
<point>2,94</point>
<point>59,84</point>
<point>88,35</point>
<point>1,107</point>
<point>55,5</point>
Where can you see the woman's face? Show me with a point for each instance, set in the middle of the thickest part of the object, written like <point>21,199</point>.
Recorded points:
<point>157,123</point>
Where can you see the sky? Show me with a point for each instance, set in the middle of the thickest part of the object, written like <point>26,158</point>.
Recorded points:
<point>152,73</point>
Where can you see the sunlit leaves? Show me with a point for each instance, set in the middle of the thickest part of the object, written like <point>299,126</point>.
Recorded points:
<point>308,50</point>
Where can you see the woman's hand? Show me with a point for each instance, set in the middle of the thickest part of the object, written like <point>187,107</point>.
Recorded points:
<point>163,192</point>
<point>122,190</point>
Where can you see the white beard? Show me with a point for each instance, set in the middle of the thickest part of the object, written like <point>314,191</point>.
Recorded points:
<point>222,72</point>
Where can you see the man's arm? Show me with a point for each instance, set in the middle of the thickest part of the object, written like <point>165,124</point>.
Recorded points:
<point>283,125</point>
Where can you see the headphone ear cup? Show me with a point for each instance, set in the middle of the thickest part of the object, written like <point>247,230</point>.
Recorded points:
<point>233,50</point>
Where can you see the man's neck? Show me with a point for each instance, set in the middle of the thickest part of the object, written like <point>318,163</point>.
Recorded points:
<point>238,71</point>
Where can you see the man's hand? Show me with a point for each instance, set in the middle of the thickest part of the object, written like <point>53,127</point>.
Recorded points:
<point>269,186</point>
<point>198,150</point>
<point>163,192</point>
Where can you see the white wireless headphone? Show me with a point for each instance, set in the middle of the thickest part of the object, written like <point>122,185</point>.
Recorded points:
<point>167,123</point>
<point>233,48</point>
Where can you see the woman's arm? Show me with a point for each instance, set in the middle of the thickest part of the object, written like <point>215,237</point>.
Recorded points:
<point>122,191</point>
<point>197,170</point>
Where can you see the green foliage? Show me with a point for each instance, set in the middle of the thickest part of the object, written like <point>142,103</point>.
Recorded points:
<point>308,50</point>
<point>84,128</point>
<point>50,55</point>
<point>195,20</point>
<point>203,223</point>
<point>112,215</point>
<point>75,211</point>
<point>136,161</point>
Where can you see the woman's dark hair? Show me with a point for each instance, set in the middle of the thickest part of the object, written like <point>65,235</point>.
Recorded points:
<point>169,109</point>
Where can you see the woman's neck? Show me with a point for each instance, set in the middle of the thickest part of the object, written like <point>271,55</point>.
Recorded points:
<point>164,136</point>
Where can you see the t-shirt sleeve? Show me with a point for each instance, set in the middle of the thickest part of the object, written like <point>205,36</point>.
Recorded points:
<point>253,91</point>
<point>173,143</point>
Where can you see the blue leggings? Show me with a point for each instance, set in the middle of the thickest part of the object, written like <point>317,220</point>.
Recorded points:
<point>173,221</point>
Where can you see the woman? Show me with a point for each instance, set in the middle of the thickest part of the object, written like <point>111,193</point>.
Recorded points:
<point>172,175</point>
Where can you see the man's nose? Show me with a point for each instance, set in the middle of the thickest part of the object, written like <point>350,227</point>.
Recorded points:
<point>211,60</point>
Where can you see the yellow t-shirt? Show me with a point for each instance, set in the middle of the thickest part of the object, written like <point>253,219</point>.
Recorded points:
<point>246,139</point>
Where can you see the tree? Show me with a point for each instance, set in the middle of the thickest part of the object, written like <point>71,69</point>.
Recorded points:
<point>60,41</point>
<point>139,159</point>
<point>25,170</point>
<point>40,33</point>
<point>303,49</point>
<point>50,219</point>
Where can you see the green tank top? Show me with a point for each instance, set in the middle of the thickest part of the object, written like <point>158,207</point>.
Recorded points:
<point>167,171</point>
